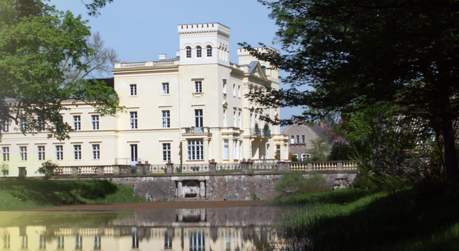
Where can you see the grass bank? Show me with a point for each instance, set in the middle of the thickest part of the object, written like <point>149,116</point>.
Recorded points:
<point>36,193</point>
<point>360,220</point>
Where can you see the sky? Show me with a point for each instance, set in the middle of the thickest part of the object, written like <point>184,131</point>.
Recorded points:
<point>139,30</point>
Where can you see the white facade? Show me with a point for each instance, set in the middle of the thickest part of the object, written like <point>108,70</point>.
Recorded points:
<point>189,109</point>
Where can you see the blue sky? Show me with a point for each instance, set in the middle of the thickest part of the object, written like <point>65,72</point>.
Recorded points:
<point>139,30</point>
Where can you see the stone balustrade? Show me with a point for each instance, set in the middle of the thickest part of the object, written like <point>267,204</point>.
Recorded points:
<point>206,169</point>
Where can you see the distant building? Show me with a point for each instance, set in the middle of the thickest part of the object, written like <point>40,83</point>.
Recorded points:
<point>302,136</point>
<point>187,109</point>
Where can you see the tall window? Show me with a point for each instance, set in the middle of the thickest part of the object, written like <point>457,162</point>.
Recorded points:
<point>292,139</point>
<point>234,90</point>
<point>198,86</point>
<point>77,152</point>
<point>235,149</point>
<point>96,151</point>
<point>209,51</point>
<point>198,118</point>
<point>77,122</point>
<point>234,117</point>
<point>225,149</point>
<point>59,152</point>
<point>23,152</point>
<point>166,151</point>
<point>225,118</point>
<point>198,51</point>
<point>41,153</point>
<point>6,153</point>
<point>134,156</point>
<point>166,119</point>
<point>188,52</point>
<point>297,139</point>
<point>165,88</point>
<point>225,87</point>
<point>5,126</point>
<point>239,116</point>
<point>195,149</point>
<point>133,120</point>
<point>133,89</point>
<point>168,238</point>
<point>302,139</point>
<point>239,91</point>
<point>95,122</point>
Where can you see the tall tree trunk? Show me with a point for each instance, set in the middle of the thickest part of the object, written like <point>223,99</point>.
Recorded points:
<point>450,154</point>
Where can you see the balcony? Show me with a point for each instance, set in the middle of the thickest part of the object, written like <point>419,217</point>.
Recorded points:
<point>197,131</point>
<point>260,133</point>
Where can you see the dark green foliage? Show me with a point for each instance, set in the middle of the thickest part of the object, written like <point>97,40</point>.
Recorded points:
<point>356,54</point>
<point>45,56</point>
<point>35,193</point>
<point>341,151</point>
<point>292,183</point>
<point>47,168</point>
<point>406,220</point>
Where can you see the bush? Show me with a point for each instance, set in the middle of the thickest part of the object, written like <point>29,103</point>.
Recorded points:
<point>4,168</point>
<point>295,183</point>
<point>47,168</point>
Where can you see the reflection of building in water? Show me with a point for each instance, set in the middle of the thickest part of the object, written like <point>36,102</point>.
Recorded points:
<point>183,238</point>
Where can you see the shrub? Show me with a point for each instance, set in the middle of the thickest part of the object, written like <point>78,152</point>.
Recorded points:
<point>4,168</point>
<point>295,183</point>
<point>47,168</point>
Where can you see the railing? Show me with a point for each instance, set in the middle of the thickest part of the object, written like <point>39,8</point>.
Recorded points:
<point>197,131</point>
<point>206,169</point>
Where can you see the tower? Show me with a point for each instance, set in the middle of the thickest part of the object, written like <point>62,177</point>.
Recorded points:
<point>206,43</point>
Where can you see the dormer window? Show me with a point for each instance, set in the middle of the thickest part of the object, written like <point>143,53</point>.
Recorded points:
<point>209,51</point>
<point>198,51</point>
<point>188,52</point>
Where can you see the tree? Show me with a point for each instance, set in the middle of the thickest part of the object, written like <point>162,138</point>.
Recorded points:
<point>354,54</point>
<point>320,150</point>
<point>45,59</point>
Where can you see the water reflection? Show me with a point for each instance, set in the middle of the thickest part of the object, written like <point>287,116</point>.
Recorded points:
<point>228,229</point>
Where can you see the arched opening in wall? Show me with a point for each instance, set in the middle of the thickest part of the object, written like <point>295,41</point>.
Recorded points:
<point>209,51</point>
<point>198,51</point>
<point>188,51</point>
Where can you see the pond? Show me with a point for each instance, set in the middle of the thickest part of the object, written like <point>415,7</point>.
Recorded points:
<point>234,228</point>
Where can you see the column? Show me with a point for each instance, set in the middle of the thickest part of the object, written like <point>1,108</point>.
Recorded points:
<point>179,190</point>
<point>202,189</point>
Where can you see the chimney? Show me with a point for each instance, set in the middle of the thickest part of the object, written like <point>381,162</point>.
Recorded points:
<point>162,56</point>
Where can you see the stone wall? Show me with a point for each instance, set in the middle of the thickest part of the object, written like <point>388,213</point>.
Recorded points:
<point>220,187</point>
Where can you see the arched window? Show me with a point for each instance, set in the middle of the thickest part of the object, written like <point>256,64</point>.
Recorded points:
<point>209,51</point>
<point>188,52</point>
<point>198,51</point>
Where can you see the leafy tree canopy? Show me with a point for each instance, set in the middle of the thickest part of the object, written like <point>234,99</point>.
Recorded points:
<point>354,54</point>
<point>45,57</point>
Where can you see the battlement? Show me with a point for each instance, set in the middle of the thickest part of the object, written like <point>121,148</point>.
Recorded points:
<point>203,28</point>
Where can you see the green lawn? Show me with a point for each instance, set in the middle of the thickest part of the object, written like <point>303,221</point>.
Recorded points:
<point>360,220</point>
<point>35,193</point>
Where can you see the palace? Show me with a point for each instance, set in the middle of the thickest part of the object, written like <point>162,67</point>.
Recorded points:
<point>189,109</point>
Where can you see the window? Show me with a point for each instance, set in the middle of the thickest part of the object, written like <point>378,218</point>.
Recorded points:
<point>209,51</point>
<point>133,89</point>
<point>97,242</point>
<point>41,153</point>
<point>95,122</point>
<point>6,153</point>
<point>165,88</point>
<point>278,152</point>
<point>234,118</point>
<point>60,242</point>
<point>195,149</point>
<point>23,152</point>
<point>23,125</point>
<point>234,90</point>
<point>134,156</point>
<point>235,149</point>
<point>239,116</point>
<point>198,118</point>
<point>188,52</point>
<point>198,86</point>
<point>5,126</point>
<point>79,242</point>
<point>225,87</point>
<point>198,51</point>
<point>96,151</point>
<point>225,149</point>
<point>225,119</point>
<point>166,119</point>
<point>133,120</point>
<point>239,91</point>
<point>166,151</point>
<point>59,152</point>
<point>168,238</point>
<point>297,139</point>
<point>77,122</point>
<point>292,139</point>
<point>302,139</point>
<point>77,152</point>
